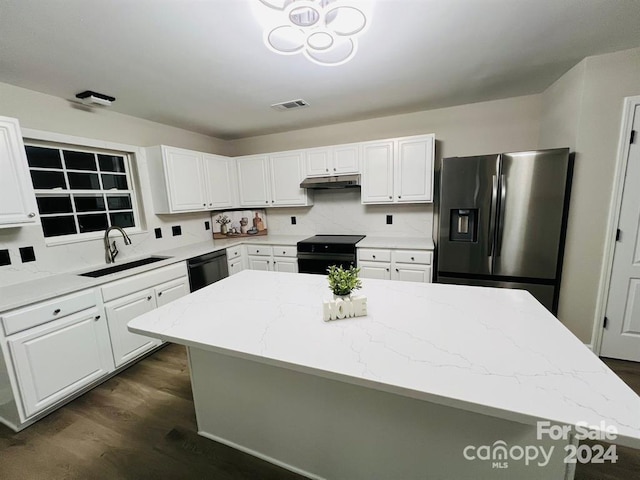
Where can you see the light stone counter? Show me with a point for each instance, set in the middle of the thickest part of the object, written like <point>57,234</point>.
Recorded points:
<point>494,352</point>
<point>402,243</point>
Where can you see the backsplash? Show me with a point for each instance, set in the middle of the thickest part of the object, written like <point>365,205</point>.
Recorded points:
<point>340,212</point>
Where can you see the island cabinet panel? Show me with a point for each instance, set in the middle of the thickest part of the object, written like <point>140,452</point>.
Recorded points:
<point>126,345</point>
<point>55,360</point>
<point>17,200</point>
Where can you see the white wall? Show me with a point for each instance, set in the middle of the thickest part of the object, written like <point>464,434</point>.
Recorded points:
<point>585,106</point>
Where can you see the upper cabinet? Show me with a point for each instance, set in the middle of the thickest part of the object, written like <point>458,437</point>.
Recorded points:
<point>398,170</point>
<point>187,181</point>
<point>17,200</point>
<point>272,180</point>
<point>340,159</point>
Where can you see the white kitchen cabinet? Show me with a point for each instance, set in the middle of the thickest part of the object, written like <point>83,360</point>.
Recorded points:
<point>277,258</point>
<point>127,345</point>
<point>339,159</point>
<point>188,181</point>
<point>55,360</point>
<point>284,264</point>
<point>235,259</point>
<point>398,170</point>
<point>253,181</point>
<point>17,200</point>
<point>170,291</point>
<point>391,264</point>
<point>272,180</point>
<point>260,263</point>
<point>235,266</point>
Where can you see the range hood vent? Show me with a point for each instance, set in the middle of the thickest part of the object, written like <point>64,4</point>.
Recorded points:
<point>338,181</point>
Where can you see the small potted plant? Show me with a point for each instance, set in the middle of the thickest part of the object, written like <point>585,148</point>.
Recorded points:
<point>343,281</point>
<point>223,220</point>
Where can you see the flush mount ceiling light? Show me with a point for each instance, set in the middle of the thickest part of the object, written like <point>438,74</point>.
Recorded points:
<point>94,98</point>
<point>324,31</point>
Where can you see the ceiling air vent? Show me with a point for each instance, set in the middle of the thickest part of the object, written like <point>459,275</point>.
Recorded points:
<point>290,105</point>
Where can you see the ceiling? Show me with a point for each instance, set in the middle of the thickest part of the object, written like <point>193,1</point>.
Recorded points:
<point>202,65</point>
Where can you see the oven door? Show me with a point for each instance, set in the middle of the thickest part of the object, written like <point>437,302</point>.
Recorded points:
<point>318,262</point>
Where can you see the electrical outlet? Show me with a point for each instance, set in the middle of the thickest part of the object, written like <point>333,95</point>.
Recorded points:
<point>27,254</point>
<point>207,225</point>
<point>293,220</point>
<point>176,230</point>
<point>389,219</point>
<point>158,232</point>
<point>5,259</point>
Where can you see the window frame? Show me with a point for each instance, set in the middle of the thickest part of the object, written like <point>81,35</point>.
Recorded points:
<point>66,142</point>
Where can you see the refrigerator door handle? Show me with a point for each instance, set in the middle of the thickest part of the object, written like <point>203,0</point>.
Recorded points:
<point>501,209</point>
<point>492,214</point>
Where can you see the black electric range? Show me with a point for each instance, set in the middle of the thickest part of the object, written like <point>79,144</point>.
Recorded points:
<point>317,253</point>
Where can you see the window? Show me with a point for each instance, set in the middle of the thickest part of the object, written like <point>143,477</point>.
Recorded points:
<point>80,191</point>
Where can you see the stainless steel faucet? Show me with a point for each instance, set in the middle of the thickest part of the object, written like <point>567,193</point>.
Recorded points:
<point>110,252</point>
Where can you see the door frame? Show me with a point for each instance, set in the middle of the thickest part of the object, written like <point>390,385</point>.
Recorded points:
<point>622,157</point>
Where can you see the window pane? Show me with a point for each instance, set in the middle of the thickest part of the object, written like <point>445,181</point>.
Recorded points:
<point>84,181</point>
<point>92,223</point>
<point>114,181</point>
<point>56,226</point>
<point>54,204</point>
<point>47,179</point>
<point>120,202</point>
<point>43,157</point>
<point>122,219</point>
<point>111,163</point>
<point>79,160</point>
<point>89,203</point>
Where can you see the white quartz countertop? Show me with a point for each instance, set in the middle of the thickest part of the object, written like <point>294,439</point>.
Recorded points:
<point>492,351</point>
<point>44,288</point>
<point>409,243</point>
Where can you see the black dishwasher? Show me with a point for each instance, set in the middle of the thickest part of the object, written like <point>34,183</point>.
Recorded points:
<point>207,269</point>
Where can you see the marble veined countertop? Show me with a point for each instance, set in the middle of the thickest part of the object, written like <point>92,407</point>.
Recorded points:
<point>491,351</point>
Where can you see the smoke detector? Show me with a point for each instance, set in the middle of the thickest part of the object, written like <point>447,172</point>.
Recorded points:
<point>290,105</point>
<point>95,99</point>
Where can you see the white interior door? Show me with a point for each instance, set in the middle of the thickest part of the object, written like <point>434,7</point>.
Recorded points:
<point>621,336</point>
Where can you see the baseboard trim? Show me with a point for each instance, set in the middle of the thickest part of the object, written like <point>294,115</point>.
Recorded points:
<point>261,456</point>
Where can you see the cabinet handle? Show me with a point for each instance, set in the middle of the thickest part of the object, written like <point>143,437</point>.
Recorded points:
<point>56,311</point>
<point>31,215</point>
<point>159,294</point>
<point>149,297</point>
<point>96,318</point>
<point>397,270</point>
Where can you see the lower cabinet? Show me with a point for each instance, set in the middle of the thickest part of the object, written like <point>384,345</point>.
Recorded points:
<point>402,265</point>
<point>277,258</point>
<point>235,259</point>
<point>57,359</point>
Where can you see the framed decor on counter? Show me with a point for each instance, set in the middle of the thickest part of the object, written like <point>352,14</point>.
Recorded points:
<point>239,223</point>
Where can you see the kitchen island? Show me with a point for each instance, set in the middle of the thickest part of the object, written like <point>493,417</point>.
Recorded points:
<point>433,377</point>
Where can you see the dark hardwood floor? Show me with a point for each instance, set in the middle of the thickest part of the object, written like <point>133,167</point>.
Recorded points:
<point>141,425</point>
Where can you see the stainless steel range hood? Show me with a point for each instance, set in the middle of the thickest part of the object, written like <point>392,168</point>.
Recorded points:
<point>337,181</point>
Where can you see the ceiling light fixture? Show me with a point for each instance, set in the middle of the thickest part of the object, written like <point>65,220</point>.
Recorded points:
<point>324,31</point>
<point>93,98</point>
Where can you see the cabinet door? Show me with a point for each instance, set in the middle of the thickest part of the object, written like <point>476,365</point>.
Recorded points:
<point>17,200</point>
<point>377,172</point>
<point>253,181</point>
<point>60,358</point>
<point>318,162</point>
<point>126,345</point>
<point>235,266</point>
<point>260,263</point>
<point>414,170</point>
<point>378,270</point>
<point>219,181</point>
<point>411,273</point>
<point>281,264</point>
<point>170,291</point>
<point>185,180</point>
<point>346,159</point>
<point>287,171</point>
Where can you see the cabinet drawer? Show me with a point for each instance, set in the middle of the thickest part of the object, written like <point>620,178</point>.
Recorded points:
<point>39,313</point>
<point>129,285</point>
<point>374,255</point>
<point>259,250</point>
<point>234,252</point>
<point>285,251</point>
<point>412,256</point>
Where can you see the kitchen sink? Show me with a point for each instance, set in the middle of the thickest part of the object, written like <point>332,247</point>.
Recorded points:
<point>121,267</point>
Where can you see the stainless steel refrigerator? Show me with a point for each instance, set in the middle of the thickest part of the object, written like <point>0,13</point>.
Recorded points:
<point>502,221</point>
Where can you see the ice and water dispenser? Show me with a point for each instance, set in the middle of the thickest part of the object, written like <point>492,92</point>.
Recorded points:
<point>463,225</point>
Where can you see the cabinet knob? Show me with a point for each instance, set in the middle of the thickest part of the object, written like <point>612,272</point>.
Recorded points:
<point>387,269</point>
<point>266,201</point>
<point>374,256</point>
<point>390,197</point>
<point>96,318</point>
<point>31,215</point>
<point>159,294</point>
<point>210,204</point>
<point>397,270</point>
<point>272,201</point>
<point>326,169</point>
<point>334,169</point>
<point>283,252</point>
<point>257,251</point>
<point>204,204</point>
<point>149,297</point>
<point>412,258</point>
<point>399,196</point>
<point>56,311</point>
